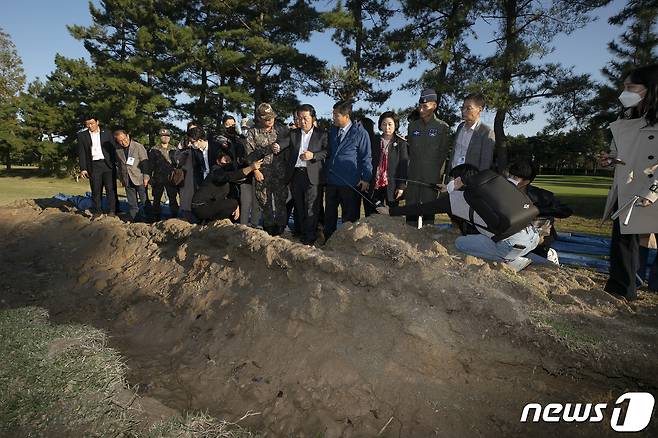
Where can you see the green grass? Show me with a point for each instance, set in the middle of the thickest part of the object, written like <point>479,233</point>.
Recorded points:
<point>26,183</point>
<point>586,195</point>
<point>62,380</point>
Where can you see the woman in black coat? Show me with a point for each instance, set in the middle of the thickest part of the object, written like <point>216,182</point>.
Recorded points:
<point>390,161</point>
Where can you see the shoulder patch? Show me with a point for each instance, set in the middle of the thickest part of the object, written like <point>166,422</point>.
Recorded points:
<point>416,133</point>
<point>433,132</point>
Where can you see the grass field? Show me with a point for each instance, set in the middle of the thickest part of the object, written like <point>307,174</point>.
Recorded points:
<point>584,194</point>
<point>25,182</point>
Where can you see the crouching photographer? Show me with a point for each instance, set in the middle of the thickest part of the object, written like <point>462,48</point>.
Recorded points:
<point>500,213</point>
<point>212,200</point>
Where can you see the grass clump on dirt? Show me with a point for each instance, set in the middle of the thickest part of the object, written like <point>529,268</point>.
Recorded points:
<point>568,334</point>
<point>63,380</point>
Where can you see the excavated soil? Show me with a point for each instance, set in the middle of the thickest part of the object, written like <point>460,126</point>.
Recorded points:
<point>385,331</point>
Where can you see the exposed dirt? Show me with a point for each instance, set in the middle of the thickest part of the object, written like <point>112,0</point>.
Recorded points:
<point>386,330</point>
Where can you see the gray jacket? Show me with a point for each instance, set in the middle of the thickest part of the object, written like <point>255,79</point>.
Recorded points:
<point>139,167</point>
<point>480,150</point>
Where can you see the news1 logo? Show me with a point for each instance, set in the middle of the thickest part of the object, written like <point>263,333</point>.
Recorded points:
<point>638,412</point>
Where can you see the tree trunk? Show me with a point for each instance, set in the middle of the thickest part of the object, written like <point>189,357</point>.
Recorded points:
<point>508,63</point>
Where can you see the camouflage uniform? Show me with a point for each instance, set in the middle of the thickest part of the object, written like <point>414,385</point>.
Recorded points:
<point>272,192</point>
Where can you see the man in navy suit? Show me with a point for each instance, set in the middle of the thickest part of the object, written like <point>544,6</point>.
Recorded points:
<point>96,152</point>
<point>305,171</point>
<point>348,167</point>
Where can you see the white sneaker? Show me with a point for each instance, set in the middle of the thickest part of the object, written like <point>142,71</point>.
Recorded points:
<point>519,264</point>
<point>552,257</point>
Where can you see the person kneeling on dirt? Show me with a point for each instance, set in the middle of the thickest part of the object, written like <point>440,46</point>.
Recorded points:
<point>523,172</point>
<point>211,201</point>
<point>510,250</point>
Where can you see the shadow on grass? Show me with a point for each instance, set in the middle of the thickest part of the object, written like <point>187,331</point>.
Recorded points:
<point>26,172</point>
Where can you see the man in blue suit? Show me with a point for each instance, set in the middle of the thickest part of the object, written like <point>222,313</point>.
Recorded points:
<point>349,167</point>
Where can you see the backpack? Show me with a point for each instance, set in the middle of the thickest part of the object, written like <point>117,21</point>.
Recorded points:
<point>505,209</point>
<point>177,175</point>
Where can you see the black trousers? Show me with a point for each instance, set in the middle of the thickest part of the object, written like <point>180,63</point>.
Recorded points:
<point>215,209</point>
<point>102,176</point>
<point>307,205</point>
<point>379,195</point>
<point>624,262</point>
<point>349,201</point>
<point>172,193</point>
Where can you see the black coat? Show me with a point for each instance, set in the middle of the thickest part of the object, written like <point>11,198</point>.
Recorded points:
<point>398,165</point>
<point>84,149</point>
<point>217,185</point>
<point>318,145</point>
<point>547,204</point>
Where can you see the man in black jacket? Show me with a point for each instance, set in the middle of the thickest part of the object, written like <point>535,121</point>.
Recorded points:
<point>305,171</point>
<point>523,173</point>
<point>211,201</point>
<point>96,152</point>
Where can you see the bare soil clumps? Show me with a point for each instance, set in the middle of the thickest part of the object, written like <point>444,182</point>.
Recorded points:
<point>385,331</point>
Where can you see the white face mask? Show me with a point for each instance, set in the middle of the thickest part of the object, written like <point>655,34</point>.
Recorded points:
<point>630,99</point>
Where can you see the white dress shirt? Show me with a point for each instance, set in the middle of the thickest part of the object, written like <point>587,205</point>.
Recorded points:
<point>306,139</point>
<point>462,142</point>
<point>96,148</point>
<point>205,160</point>
<point>342,132</point>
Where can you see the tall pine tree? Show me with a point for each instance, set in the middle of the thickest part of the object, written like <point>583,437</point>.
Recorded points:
<point>12,80</point>
<point>361,32</point>
<point>524,35</point>
<point>435,34</point>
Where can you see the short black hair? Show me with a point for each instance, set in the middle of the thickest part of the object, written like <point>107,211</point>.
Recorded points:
<point>89,117</point>
<point>343,107</point>
<point>191,123</point>
<point>119,131</point>
<point>523,169</point>
<point>306,107</point>
<point>463,171</point>
<point>389,115</point>
<point>196,133</point>
<point>227,117</point>
<point>477,98</point>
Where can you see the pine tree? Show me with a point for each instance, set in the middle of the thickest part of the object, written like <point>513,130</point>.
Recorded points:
<point>435,34</point>
<point>130,59</point>
<point>523,38</point>
<point>12,80</point>
<point>361,32</point>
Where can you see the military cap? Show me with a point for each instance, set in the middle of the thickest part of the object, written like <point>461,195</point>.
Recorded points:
<point>165,131</point>
<point>265,112</point>
<point>428,95</point>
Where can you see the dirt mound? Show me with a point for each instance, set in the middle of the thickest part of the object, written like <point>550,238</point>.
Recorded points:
<point>386,330</point>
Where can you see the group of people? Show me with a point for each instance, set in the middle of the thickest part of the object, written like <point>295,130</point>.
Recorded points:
<point>271,170</point>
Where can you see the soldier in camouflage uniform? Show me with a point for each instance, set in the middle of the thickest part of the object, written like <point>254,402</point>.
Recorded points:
<point>270,181</point>
<point>160,158</point>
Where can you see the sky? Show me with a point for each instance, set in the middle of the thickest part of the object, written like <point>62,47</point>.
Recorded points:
<point>38,29</point>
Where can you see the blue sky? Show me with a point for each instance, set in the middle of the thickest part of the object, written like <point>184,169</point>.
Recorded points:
<point>38,29</point>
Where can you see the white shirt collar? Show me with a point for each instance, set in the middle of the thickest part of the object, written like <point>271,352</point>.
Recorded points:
<point>474,127</point>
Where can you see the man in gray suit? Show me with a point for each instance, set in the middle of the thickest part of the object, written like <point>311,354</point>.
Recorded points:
<point>133,169</point>
<point>474,141</point>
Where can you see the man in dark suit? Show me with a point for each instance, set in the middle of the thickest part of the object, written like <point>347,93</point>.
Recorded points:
<point>305,171</point>
<point>474,141</point>
<point>96,152</point>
